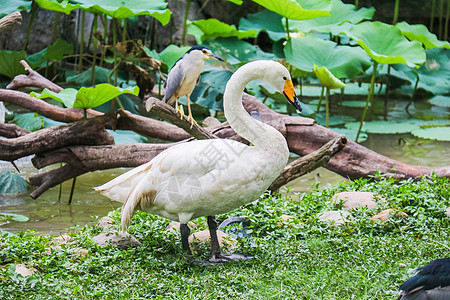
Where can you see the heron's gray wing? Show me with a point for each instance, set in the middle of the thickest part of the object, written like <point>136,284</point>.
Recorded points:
<point>173,83</point>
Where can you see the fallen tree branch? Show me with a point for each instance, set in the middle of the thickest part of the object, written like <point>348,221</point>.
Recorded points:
<point>33,79</point>
<point>10,21</point>
<point>308,163</point>
<point>12,130</point>
<point>83,159</point>
<point>86,132</point>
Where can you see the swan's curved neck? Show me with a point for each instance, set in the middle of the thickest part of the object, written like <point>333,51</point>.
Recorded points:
<point>259,134</point>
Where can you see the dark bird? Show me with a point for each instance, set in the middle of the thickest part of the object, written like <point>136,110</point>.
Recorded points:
<point>432,282</point>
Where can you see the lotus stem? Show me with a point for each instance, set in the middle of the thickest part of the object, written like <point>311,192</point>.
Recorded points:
<point>386,96</point>
<point>441,15</point>
<point>94,58</point>
<point>413,96</point>
<point>80,63</point>
<point>287,29</point>
<point>114,45</point>
<point>124,30</point>
<point>433,10</point>
<point>327,107</point>
<point>446,22</point>
<point>72,190</point>
<point>397,4</point>
<point>320,99</point>
<point>369,98</point>
<point>356,4</point>
<point>55,26</point>
<point>186,15</point>
<point>105,37</point>
<point>34,11</point>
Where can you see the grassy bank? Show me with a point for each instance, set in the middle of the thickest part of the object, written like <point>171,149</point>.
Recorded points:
<point>302,259</point>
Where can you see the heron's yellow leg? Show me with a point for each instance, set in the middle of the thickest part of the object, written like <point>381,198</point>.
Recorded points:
<point>190,118</point>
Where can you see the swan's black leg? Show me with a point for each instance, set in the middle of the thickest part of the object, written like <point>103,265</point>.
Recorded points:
<point>216,254</point>
<point>185,231</point>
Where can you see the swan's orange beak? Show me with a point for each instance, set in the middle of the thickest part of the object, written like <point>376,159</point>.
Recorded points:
<point>289,93</point>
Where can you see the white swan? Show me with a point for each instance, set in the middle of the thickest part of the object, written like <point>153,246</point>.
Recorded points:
<point>210,177</point>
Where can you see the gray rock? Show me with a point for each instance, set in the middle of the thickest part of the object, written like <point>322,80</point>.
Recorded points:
<point>105,223</point>
<point>123,240</point>
<point>335,217</point>
<point>355,199</point>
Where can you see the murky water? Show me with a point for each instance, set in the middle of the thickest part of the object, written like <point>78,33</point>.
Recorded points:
<point>49,215</point>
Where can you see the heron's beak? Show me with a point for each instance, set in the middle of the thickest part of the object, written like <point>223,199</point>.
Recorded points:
<point>289,93</point>
<point>212,55</point>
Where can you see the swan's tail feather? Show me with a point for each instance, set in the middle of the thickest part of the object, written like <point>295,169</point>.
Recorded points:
<point>142,196</point>
<point>119,188</point>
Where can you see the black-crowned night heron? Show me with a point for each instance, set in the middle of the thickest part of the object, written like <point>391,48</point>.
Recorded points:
<point>210,177</point>
<point>432,282</point>
<point>184,75</point>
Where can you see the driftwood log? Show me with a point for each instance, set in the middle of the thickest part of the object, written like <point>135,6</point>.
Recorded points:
<point>10,21</point>
<point>302,134</point>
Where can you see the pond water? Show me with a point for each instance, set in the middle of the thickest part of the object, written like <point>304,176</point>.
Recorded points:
<point>49,215</point>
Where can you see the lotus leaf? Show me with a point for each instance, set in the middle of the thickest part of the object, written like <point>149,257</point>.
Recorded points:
<point>126,137</point>
<point>10,6</point>
<point>388,127</point>
<point>12,183</point>
<point>340,13</point>
<point>213,28</point>
<point>29,121</point>
<point>327,78</point>
<point>351,134</point>
<point>334,120</point>
<point>101,76</point>
<point>265,20</point>
<point>433,133</point>
<point>55,5</point>
<point>55,51</point>
<point>420,33</point>
<point>299,9</point>
<point>86,97</point>
<point>386,44</point>
<point>342,61</point>
<point>208,93</point>
<point>443,101</point>
<point>236,51</point>
<point>8,217</point>
<point>433,74</point>
<point>10,62</point>
<point>121,9</point>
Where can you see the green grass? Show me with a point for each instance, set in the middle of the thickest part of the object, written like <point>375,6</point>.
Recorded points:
<point>305,259</point>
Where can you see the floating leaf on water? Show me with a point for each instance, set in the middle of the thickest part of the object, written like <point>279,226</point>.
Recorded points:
<point>443,101</point>
<point>433,133</point>
<point>10,217</point>
<point>126,137</point>
<point>351,134</point>
<point>12,183</point>
<point>353,103</point>
<point>333,120</point>
<point>389,127</point>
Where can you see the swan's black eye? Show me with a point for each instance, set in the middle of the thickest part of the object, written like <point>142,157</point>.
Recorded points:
<point>284,78</point>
